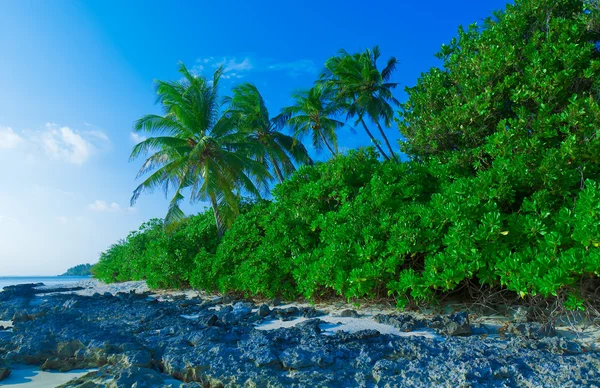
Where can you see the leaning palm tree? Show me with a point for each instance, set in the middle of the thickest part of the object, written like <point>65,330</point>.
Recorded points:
<point>366,90</point>
<point>313,114</point>
<point>193,147</point>
<point>279,152</point>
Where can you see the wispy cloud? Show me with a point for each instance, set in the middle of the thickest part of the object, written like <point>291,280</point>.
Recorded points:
<point>9,138</point>
<point>236,67</point>
<point>136,137</point>
<point>57,142</point>
<point>100,206</point>
<point>233,67</point>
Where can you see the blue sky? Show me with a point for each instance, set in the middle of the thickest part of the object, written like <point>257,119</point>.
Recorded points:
<point>75,75</point>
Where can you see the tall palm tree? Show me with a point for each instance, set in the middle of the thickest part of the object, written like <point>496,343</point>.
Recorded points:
<point>313,115</point>
<point>367,90</point>
<point>193,147</point>
<point>249,114</point>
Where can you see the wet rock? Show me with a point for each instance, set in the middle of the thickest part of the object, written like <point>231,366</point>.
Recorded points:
<point>68,349</point>
<point>4,373</point>
<point>139,358</point>
<point>305,357</point>
<point>311,312</point>
<point>286,314</point>
<point>403,322</point>
<point>349,313</point>
<point>264,310</point>
<point>22,316</point>
<point>453,324</point>
<point>19,291</point>
<point>276,302</point>
<point>532,330</point>
<point>212,320</point>
<point>134,377</point>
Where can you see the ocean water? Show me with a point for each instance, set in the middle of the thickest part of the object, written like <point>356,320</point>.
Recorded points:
<point>47,280</point>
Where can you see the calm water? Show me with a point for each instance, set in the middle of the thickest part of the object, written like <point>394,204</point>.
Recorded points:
<point>47,280</point>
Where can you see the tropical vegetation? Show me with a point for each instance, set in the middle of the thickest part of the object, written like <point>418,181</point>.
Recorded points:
<point>500,189</point>
<point>79,270</point>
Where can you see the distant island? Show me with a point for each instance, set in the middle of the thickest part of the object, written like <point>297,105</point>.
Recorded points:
<point>79,270</point>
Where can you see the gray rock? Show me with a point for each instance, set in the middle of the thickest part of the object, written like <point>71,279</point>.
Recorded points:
<point>453,324</point>
<point>264,310</point>
<point>349,313</point>
<point>22,316</point>
<point>532,330</point>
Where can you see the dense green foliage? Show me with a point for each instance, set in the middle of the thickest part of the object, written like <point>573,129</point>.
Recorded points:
<point>511,126</point>
<point>79,270</point>
<point>502,187</point>
<point>163,256</point>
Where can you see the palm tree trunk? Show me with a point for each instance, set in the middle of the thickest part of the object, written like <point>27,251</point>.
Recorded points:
<point>374,140</point>
<point>386,141</point>
<point>218,219</point>
<point>277,170</point>
<point>333,153</point>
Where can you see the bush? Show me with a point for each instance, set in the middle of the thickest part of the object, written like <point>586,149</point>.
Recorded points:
<point>161,255</point>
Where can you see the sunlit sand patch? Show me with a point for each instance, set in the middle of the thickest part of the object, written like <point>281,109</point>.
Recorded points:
<point>28,377</point>
<point>349,325</point>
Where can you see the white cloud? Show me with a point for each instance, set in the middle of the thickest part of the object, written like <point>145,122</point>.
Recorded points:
<point>235,68</point>
<point>63,143</point>
<point>136,137</point>
<point>100,206</point>
<point>232,66</point>
<point>62,220</point>
<point>8,138</point>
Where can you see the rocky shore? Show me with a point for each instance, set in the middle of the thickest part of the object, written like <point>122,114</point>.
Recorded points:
<point>136,338</point>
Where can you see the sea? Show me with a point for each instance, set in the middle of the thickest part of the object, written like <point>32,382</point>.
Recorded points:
<point>47,280</point>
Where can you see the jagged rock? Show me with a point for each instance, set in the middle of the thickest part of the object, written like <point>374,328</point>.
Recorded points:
<point>136,343</point>
<point>110,377</point>
<point>453,324</point>
<point>22,316</point>
<point>403,322</point>
<point>532,330</point>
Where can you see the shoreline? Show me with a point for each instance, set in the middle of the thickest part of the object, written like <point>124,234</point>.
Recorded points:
<point>127,331</point>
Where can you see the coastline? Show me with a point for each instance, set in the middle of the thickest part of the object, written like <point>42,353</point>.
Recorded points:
<point>195,337</point>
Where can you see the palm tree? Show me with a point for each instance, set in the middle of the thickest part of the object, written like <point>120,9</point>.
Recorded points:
<point>194,147</point>
<point>312,114</point>
<point>279,152</point>
<point>366,90</point>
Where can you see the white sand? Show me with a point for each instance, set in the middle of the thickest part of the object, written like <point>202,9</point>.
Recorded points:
<point>93,286</point>
<point>24,376</point>
<point>349,325</point>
